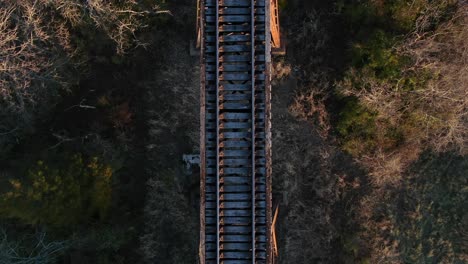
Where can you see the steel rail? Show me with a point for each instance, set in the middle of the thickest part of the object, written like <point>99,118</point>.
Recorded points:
<point>217,136</point>
<point>252,79</point>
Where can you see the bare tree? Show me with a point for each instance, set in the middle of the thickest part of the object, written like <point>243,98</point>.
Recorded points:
<point>433,115</point>
<point>39,60</point>
<point>26,54</point>
<point>121,21</point>
<point>36,251</point>
<point>444,52</point>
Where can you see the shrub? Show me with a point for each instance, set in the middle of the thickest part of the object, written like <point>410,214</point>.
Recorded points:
<point>415,93</point>
<point>357,126</point>
<point>74,190</point>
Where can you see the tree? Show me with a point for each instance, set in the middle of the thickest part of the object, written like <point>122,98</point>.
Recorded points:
<point>71,191</point>
<point>32,249</point>
<point>46,46</point>
<point>413,86</point>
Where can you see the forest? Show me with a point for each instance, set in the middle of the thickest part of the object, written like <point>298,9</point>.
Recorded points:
<point>99,100</point>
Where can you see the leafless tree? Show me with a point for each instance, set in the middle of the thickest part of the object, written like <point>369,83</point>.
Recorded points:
<point>434,115</point>
<point>40,251</point>
<point>38,58</point>
<point>443,52</point>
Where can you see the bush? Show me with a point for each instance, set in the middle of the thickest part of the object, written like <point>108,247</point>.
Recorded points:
<point>357,127</point>
<point>67,192</point>
<point>415,94</point>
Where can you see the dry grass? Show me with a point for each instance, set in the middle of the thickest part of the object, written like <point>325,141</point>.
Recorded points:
<point>310,106</point>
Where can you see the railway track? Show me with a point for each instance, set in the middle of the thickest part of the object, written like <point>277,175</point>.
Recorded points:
<point>235,146</point>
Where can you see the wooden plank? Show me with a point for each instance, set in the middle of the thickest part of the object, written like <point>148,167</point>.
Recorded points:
<point>260,255</point>
<point>234,18</point>
<point>231,188</point>
<point>229,205</point>
<point>230,180</point>
<point>260,161</point>
<point>235,144</point>
<point>260,135</point>
<point>226,212</point>
<point>236,254</point>
<point>236,220</point>
<point>229,77</point>
<point>234,229</point>
<point>260,58</point>
<point>227,19</point>
<point>230,197</point>
<point>228,48</point>
<point>236,238</point>
<point>233,3</point>
<point>236,196</point>
<point>235,87</point>
<point>234,125</point>
<point>235,116</point>
<point>234,162</point>
<point>232,170</point>
<point>235,153</point>
<point>229,28</point>
<point>235,106</point>
<point>259,77</point>
<point>229,153</point>
<point>230,87</point>
<point>237,261</point>
<point>236,97</point>
<point>260,220</point>
<point>235,58</point>
<point>261,238</point>
<point>235,11</point>
<point>235,246</point>
<point>227,3</point>
<point>235,38</point>
<point>232,205</point>
<point>229,135</point>
<point>230,221</point>
<point>234,76</point>
<point>233,67</point>
<point>234,188</point>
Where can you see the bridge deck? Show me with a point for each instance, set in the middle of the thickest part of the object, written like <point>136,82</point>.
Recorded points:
<point>235,138</point>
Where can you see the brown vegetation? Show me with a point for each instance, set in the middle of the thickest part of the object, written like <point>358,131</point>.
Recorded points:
<point>432,115</point>
<point>30,51</point>
<point>46,48</point>
<point>398,105</point>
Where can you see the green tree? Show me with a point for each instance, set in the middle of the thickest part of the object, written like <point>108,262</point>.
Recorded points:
<point>72,191</point>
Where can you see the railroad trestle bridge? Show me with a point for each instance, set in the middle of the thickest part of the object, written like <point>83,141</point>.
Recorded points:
<point>236,38</point>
